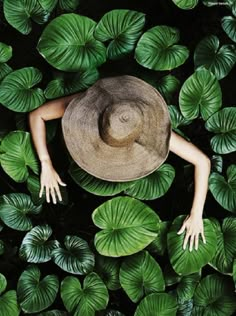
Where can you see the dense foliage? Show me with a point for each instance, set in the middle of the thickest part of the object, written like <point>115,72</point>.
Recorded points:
<point>112,249</point>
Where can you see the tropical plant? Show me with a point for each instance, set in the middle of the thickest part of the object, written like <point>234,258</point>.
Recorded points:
<point>112,248</point>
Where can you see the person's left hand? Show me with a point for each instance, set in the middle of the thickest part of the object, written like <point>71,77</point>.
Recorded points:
<point>194,227</point>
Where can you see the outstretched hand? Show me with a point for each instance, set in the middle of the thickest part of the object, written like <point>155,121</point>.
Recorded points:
<point>50,181</point>
<point>194,227</point>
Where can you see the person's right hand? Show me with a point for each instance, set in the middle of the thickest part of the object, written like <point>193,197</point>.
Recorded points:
<point>50,181</point>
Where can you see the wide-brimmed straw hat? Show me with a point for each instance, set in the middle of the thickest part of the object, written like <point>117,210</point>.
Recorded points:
<point>118,129</point>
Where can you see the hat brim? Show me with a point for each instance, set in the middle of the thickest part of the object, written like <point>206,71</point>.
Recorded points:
<point>81,121</point>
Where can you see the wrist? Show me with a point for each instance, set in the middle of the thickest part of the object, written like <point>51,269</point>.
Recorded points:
<point>197,213</point>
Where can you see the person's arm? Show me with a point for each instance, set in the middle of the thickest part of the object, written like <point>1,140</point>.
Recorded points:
<point>49,179</point>
<point>194,222</point>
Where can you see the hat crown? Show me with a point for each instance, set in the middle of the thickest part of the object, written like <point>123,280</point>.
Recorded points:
<point>121,123</point>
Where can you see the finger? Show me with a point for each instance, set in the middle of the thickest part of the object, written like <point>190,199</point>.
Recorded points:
<point>53,195</point>
<point>196,242</point>
<point>61,182</point>
<point>41,191</point>
<point>191,243</point>
<point>181,229</point>
<point>58,192</point>
<point>186,240</point>
<point>47,195</point>
<point>203,237</point>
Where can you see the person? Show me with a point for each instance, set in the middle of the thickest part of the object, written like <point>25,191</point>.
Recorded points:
<point>86,105</point>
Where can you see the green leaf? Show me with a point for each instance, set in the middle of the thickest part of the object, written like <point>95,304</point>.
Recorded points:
<point>200,94</point>
<point>112,312</point>
<point>18,156</point>
<point>15,209</point>
<point>16,91</point>
<point>36,247</point>
<point>183,261</point>
<point>226,245</point>
<point>187,286</point>
<point>167,86</point>
<point>8,304</point>
<point>185,308</point>
<point>224,191</point>
<point>5,52</point>
<point>128,226</point>
<point>3,283</point>
<point>20,12</point>
<point>108,269</point>
<point>84,302</point>
<point>177,119</point>
<point>157,49</point>
<point>141,275</point>
<point>70,83</point>
<point>122,28</point>
<point>154,185</point>
<point>223,124</point>
<point>159,244</point>
<point>67,43</point>
<point>171,277</point>
<point>4,70</point>
<point>228,24</point>
<point>219,60</point>
<point>217,163</point>
<point>48,5</point>
<point>161,304</point>
<point>35,295</point>
<point>95,185</point>
<point>215,295</point>
<point>77,258</point>
<point>186,4</point>
<point>68,5</point>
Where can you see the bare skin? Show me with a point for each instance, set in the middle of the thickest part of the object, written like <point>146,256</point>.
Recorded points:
<point>50,180</point>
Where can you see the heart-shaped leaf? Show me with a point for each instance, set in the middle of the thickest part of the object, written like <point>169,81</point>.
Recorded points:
<point>17,156</point>
<point>228,24</point>
<point>16,91</point>
<point>95,185</point>
<point>140,275</point>
<point>4,70</point>
<point>77,258</point>
<point>224,191</point>
<point>5,52</point>
<point>69,83</point>
<point>214,295</point>
<point>68,5</point>
<point>159,244</point>
<point>108,269</point>
<point>122,28</point>
<point>219,60</point>
<point>128,226</point>
<point>187,286</point>
<point>84,301</point>
<point>183,261</point>
<point>48,5</point>
<point>8,304</point>
<point>36,247</point>
<point>67,43</point>
<point>35,295</point>
<point>20,12</point>
<point>186,4</point>
<point>200,94</point>
<point>167,86</point>
<point>223,124</point>
<point>154,185</point>
<point>177,119</point>
<point>226,245</point>
<point>157,304</point>
<point>157,49</point>
<point>15,209</point>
